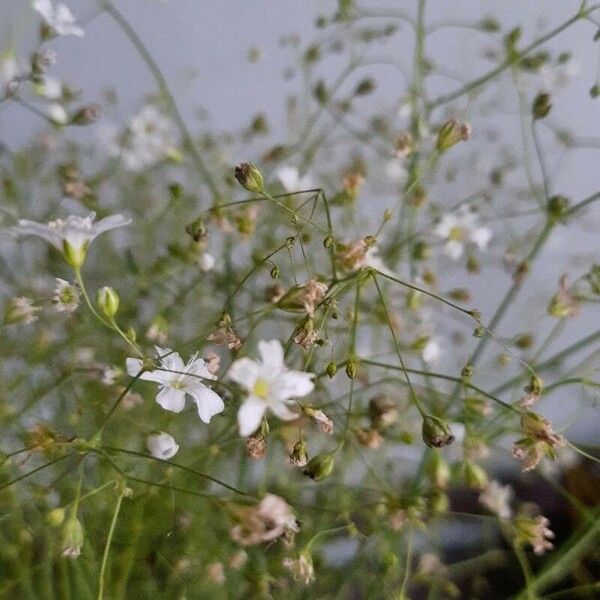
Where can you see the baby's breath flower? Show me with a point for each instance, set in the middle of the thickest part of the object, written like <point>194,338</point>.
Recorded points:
<point>269,520</point>
<point>452,132</point>
<point>59,18</point>
<point>270,386</point>
<point>564,303</point>
<point>206,262</point>
<point>291,179</point>
<point>71,236</point>
<point>535,532</point>
<point>216,573</point>
<point>21,310</point>
<point>496,498</point>
<point>66,296</point>
<point>225,335</point>
<point>177,379</point>
<point>324,423</point>
<point>162,445</point>
<point>460,228</point>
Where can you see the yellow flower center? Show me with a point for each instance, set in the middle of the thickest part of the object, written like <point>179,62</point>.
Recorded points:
<point>456,234</point>
<point>261,389</point>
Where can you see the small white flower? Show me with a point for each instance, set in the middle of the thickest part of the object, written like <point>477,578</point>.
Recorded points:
<point>57,114</point>
<point>270,385</point>
<point>177,379</point>
<point>59,18</point>
<point>66,297</point>
<point>20,310</point>
<point>51,88</point>
<point>292,181</point>
<point>72,235</point>
<point>460,228</point>
<point>206,262</point>
<point>496,498</point>
<point>9,71</point>
<point>431,351</point>
<point>162,445</point>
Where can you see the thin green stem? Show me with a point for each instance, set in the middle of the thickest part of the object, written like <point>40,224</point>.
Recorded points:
<point>111,532</point>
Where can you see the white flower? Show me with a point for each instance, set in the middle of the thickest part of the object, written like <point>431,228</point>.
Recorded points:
<point>59,18</point>
<point>431,351</point>
<point>149,139</point>
<point>162,445</point>
<point>270,385</point>
<point>72,235</point>
<point>460,228</point>
<point>292,181</point>
<point>206,262</point>
<point>9,71</point>
<point>57,114</point>
<point>51,88</point>
<point>177,379</point>
<point>496,498</point>
<point>66,296</point>
<point>20,310</point>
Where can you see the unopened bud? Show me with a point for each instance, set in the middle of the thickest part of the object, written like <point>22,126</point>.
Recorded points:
<point>250,178</point>
<point>436,432</point>
<point>108,301</point>
<point>541,106</point>
<point>320,467</point>
<point>450,133</point>
<point>299,455</point>
<point>438,470</point>
<point>86,115</point>
<point>558,207</point>
<point>72,538</point>
<point>331,370</point>
<point>196,230</point>
<point>351,368</point>
<point>474,475</point>
<point>56,517</point>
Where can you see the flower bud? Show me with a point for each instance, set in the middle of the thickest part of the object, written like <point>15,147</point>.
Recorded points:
<point>72,538</point>
<point>299,455</point>
<point>436,432</point>
<point>56,517</point>
<point>474,475</point>
<point>250,178</point>
<point>320,466</point>
<point>558,207</point>
<point>196,230</point>
<point>438,470</point>
<point>331,370</point>
<point>541,106</point>
<point>86,115</point>
<point>383,411</point>
<point>75,256</point>
<point>108,301</point>
<point>351,368</point>
<point>450,133</point>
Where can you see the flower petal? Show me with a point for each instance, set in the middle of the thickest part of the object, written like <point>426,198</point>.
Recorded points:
<point>244,372</point>
<point>250,415</point>
<point>291,384</point>
<point>26,227</point>
<point>281,411</point>
<point>208,402</point>
<point>108,223</point>
<point>134,366</point>
<point>271,354</point>
<point>171,399</point>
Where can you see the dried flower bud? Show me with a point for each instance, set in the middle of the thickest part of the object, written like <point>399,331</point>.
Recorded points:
<point>324,423</point>
<point>404,145</point>
<point>450,133</point>
<point>320,466</point>
<point>256,447</point>
<point>383,411</point>
<point>541,106</point>
<point>299,455</point>
<point>196,230</point>
<point>250,178</point>
<point>86,115</point>
<point>436,432</point>
<point>369,438</point>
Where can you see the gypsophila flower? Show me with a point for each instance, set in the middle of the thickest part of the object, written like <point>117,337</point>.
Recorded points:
<point>535,532</point>
<point>292,181</point>
<point>57,114</point>
<point>177,379</point>
<point>71,236</point>
<point>58,18</point>
<point>270,519</point>
<point>9,73</point>
<point>206,262</point>
<point>496,498</point>
<point>461,228</point>
<point>20,310</point>
<point>216,573</point>
<point>162,445</point>
<point>66,296</point>
<point>270,386</point>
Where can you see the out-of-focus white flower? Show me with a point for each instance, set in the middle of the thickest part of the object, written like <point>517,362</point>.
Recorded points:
<point>431,350</point>
<point>206,262</point>
<point>496,498</point>
<point>176,379</point>
<point>57,114</point>
<point>534,531</point>
<point>58,18</point>
<point>396,171</point>
<point>51,88</point>
<point>292,181</point>
<point>66,296</point>
<point>9,71</point>
<point>20,310</point>
<point>555,77</point>
<point>162,445</point>
<point>72,235</point>
<point>270,385</point>
<point>460,228</point>
<point>149,138</point>
<point>301,568</point>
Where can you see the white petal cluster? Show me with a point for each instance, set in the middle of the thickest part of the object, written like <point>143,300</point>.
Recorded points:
<point>58,17</point>
<point>178,379</point>
<point>461,228</point>
<point>292,181</point>
<point>270,386</point>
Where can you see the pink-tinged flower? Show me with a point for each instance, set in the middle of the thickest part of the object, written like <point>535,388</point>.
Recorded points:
<point>177,379</point>
<point>270,386</point>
